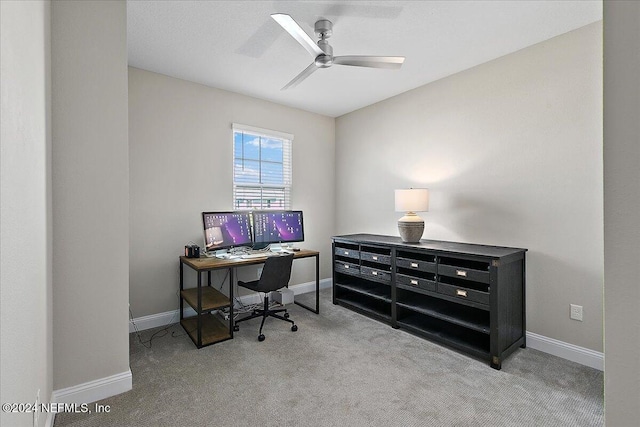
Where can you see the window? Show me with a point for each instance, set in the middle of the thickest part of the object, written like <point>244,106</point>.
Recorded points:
<point>261,168</point>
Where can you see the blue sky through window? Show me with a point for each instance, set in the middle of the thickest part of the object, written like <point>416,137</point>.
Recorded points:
<point>258,159</point>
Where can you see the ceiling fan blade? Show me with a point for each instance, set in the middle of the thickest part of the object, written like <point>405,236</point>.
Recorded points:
<point>300,77</point>
<point>292,27</point>
<point>370,61</point>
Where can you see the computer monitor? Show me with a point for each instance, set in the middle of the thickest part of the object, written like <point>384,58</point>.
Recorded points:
<point>277,227</point>
<point>224,230</point>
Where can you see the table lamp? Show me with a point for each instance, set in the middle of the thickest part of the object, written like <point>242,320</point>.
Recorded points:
<point>411,200</point>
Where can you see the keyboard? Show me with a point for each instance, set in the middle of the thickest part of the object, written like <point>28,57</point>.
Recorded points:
<point>257,255</point>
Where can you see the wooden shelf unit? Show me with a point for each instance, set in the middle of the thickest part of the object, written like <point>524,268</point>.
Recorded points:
<point>212,299</point>
<point>213,330</point>
<point>468,297</point>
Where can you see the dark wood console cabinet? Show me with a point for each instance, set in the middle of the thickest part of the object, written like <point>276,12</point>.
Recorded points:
<point>469,297</point>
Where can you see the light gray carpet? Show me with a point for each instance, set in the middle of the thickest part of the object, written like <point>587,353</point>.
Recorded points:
<point>343,369</point>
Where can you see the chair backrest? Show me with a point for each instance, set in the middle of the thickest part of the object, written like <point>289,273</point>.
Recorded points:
<point>276,273</point>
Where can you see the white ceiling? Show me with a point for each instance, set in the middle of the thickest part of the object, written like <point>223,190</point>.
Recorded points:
<point>236,46</point>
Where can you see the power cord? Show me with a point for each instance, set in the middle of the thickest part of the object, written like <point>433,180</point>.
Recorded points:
<point>148,343</point>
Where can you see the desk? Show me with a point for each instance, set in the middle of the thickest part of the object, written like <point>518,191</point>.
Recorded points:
<point>205,328</point>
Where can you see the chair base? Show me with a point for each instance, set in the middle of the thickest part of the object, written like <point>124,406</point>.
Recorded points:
<point>264,313</point>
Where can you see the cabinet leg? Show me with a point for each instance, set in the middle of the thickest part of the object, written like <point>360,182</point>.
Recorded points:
<point>496,363</point>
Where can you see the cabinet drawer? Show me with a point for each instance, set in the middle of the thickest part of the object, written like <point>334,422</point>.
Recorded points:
<point>346,252</point>
<point>347,268</point>
<point>373,257</point>
<point>375,274</point>
<point>428,285</point>
<point>464,293</point>
<point>414,264</point>
<point>465,269</point>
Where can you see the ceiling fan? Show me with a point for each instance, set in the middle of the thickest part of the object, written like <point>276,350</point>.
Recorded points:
<point>323,52</point>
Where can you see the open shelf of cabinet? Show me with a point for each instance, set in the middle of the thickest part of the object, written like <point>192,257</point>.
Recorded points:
<point>368,298</point>
<point>468,317</point>
<point>445,333</point>
<point>466,296</point>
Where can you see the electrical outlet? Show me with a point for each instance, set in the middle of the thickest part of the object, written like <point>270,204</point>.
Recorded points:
<point>576,312</point>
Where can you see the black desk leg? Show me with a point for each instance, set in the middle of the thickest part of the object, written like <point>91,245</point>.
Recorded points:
<point>318,284</point>
<point>317,310</point>
<point>181,289</point>
<point>199,313</point>
<point>231,301</point>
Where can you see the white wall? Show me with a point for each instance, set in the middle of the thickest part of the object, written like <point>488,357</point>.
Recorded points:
<point>621,212</point>
<point>511,151</point>
<point>181,165</point>
<point>25,201</point>
<point>90,191</point>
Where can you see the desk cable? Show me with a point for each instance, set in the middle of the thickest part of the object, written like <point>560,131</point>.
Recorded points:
<point>164,330</point>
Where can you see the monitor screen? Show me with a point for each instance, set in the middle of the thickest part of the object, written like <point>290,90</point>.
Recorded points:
<point>223,230</point>
<point>277,227</point>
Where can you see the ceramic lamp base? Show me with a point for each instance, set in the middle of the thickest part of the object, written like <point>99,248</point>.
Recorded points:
<point>411,228</point>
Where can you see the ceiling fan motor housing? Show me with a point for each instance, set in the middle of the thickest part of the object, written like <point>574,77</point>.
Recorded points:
<point>324,28</point>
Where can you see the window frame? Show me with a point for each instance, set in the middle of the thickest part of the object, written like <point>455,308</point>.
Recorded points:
<point>260,187</point>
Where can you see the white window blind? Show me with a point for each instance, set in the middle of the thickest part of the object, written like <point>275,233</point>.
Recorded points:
<point>261,168</point>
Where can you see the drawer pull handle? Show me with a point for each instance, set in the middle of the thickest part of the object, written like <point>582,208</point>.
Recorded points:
<point>414,282</point>
<point>346,252</point>
<point>414,264</point>
<point>346,266</point>
<point>375,273</point>
<point>461,273</point>
<point>461,293</point>
<point>375,258</point>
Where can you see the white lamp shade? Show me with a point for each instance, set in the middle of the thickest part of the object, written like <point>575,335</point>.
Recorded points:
<point>412,200</point>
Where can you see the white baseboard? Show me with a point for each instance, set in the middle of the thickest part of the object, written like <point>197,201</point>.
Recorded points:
<point>574,353</point>
<point>159,319</point>
<point>93,391</point>
<point>169,317</point>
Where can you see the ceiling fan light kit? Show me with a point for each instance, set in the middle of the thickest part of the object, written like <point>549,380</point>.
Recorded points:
<point>323,52</point>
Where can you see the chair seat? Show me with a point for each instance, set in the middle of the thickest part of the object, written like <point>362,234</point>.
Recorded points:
<point>253,285</point>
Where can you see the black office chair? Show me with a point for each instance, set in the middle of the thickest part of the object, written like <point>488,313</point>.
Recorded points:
<point>275,275</point>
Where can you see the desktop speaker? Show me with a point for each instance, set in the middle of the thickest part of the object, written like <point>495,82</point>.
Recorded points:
<point>192,251</point>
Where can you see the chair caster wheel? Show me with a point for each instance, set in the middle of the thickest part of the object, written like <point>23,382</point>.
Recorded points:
<point>286,315</point>
<point>260,337</point>
<point>294,328</point>
<point>236,328</point>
